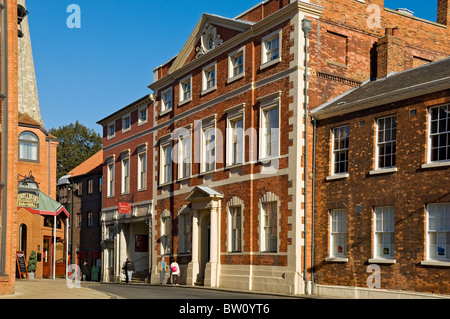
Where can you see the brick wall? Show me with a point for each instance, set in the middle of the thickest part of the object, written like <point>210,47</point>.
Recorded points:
<point>409,190</point>
<point>7,282</point>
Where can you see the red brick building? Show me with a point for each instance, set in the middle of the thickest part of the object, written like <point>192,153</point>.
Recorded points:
<point>382,195</point>
<point>127,182</point>
<point>229,198</point>
<point>35,232</point>
<point>8,156</point>
<point>80,191</point>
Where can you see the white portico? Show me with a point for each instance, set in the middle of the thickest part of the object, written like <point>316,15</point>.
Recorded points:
<point>205,265</point>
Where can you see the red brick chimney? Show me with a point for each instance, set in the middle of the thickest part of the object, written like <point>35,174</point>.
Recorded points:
<point>390,53</point>
<point>443,12</point>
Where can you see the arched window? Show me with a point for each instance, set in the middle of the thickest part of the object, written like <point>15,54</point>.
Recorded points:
<point>28,147</point>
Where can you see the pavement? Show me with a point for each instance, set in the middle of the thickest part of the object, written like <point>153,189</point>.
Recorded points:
<point>55,289</point>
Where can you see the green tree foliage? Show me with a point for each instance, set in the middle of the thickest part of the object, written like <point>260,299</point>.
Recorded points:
<point>76,144</point>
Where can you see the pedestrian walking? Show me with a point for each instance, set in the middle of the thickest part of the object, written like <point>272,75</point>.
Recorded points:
<point>84,271</point>
<point>128,268</point>
<point>162,267</point>
<point>175,272</point>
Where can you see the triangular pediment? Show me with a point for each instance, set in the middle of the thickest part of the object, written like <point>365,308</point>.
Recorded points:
<point>210,33</point>
<point>203,193</point>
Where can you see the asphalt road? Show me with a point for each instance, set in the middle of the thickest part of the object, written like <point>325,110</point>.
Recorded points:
<point>133,291</point>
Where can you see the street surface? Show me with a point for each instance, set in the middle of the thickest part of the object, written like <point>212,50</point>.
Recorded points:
<point>137,291</point>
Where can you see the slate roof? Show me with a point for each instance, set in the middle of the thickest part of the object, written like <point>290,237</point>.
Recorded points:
<point>418,81</point>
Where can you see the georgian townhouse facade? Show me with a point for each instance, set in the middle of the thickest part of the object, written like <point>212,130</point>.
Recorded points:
<point>382,187</point>
<point>126,218</point>
<point>229,183</point>
<point>231,203</point>
<point>228,196</point>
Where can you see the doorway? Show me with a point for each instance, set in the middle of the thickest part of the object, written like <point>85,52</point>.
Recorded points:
<point>204,243</point>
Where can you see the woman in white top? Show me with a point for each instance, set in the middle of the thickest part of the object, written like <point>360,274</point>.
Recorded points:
<point>174,271</point>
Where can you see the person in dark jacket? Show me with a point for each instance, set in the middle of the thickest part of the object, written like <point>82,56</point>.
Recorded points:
<point>128,268</point>
<point>84,270</point>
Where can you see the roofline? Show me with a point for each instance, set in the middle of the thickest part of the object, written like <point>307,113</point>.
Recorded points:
<point>386,98</point>
<point>111,116</point>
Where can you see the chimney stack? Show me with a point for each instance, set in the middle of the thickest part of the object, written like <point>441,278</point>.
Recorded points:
<point>390,53</point>
<point>443,12</point>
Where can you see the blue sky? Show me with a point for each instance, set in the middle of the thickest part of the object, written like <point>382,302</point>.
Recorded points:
<point>88,73</point>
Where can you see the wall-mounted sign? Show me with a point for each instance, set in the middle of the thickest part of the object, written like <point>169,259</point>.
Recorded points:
<point>124,208</point>
<point>28,199</point>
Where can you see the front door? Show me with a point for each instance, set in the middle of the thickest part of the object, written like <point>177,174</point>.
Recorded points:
<point>46,257</point>
<point>204,242</point>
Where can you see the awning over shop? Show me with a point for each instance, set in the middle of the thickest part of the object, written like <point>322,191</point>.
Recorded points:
<point>47,206</point>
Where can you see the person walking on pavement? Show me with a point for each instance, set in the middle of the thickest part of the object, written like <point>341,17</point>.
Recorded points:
<point>175,271</point>
<point>162,267</point>
<point>128,268</point>
<point>84,271</point>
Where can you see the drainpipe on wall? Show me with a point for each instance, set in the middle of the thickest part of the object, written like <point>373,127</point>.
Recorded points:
<point>4,146</point>
<point>313,202</point>
<point>306,27</point>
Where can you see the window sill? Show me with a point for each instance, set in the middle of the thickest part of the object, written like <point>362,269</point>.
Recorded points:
<point>165,112</point>
<point>270,63</point>
<point>235,78</point>
<point>382,261</point>
<point>337,259</point>
<point>181,103</point>
<point>436,164</point>
<point>164,184</point>
<point>436,263</point>
<point>383,171</point>
<point>142,122</point>
<point>206,91</point>
<point>182,179</point>
<point>337,176</point>
<point>231,166</point>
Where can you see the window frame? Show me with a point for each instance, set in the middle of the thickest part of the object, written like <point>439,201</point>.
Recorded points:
<point>126,118</point>
<point>235,145</point>
<point>110,175</point>
<point>166,105</point>
<point>165,160</point>
<point>166,227</point>
<point>334,234</point>
<point>265,242</point>
<point>140,110</point>
<point>379,144</point>
<point>235,227</point>
<point>205,167</point>
<point>182,163</point>
<point>333,151</point>
<point>185,231</point>
<point>430,135</point>
<point>29,143</point>
<point>389,230</point>
<point>445,231</point>
<point>266,39</point>
<point>231,67</point>
<point>142,170</point>
<point>126,173</point>
<point>205,70</point>
<point>264,108</point>
<point>108,130</point>
<point>182,99</point>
